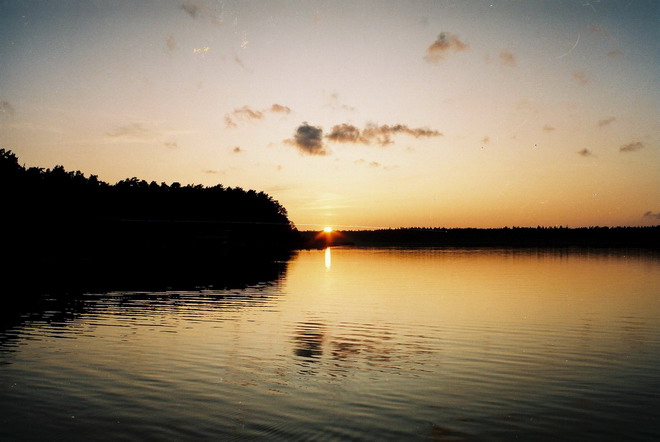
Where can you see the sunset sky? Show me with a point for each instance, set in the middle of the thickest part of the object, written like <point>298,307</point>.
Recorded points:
<point>350,113</point>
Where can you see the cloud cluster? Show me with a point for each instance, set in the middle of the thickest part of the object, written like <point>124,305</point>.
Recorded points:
<point>443,45</point>
<point>309,139</point>
<point>632,147</point>
<point>651,215</point>
<point>247,113</point>
<point>347,133</point>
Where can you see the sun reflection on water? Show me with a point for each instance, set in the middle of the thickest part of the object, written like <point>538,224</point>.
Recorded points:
<point>328,258</point>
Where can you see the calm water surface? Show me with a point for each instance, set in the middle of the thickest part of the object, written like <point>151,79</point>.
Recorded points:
<point>353,344</point>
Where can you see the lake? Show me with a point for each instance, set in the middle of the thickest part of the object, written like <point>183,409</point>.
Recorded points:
<point>352,344</point>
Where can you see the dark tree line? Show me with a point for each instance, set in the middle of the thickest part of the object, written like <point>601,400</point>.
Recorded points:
<point>646,237</point>
<point>52,209</point>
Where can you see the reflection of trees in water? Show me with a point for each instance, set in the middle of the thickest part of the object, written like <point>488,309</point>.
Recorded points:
<point>56,296</point>
<point>308,340</point>
<point>371,345</point>
<point>354,345</point>
<point>67,234</point>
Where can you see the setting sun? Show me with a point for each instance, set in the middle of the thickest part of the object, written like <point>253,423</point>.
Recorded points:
<point>327,229</point>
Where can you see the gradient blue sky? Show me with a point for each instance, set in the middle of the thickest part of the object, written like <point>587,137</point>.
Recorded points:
<point>367,113</point>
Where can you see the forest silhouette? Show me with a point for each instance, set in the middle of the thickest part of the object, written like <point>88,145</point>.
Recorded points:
<point>66,232</point>
<point>62,228</point>
<point>56,211</point>
<point>598,236</point>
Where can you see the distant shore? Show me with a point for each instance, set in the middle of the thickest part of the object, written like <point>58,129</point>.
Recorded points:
<point>619,237</point>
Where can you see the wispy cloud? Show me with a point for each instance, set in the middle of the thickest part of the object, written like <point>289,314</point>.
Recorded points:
<point>485,139</point>
<point>145,132</point>
<point>526,105</point>
<point>596,29</point>
<point>632,147</point>
<point>614,53</point>
<point>191,7</point>
<point>6,108</point>
<point>652,215</point>
<point>606,121</point>
<point>210,171</point>
<point>443,45</point>
<point>373,164</point>
<point>362,161</point>
<point>198,9</point>
<point>134,131</point>
<point>549,128</point>
<point>580,77</point>
<point>586,153</point>
<point>335,103</point>
<point>249,114</point>
<point>229,123</point>
<point>246,113</point>
<point>382,134</point>
<point>278,108</point>
<point>309,140</point>
<point>170,42</point>
<point>347,133</point>
<point>508,59</point>
<point>239,62</point>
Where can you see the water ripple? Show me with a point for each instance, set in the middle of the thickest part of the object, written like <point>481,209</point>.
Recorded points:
<point>452,347</point>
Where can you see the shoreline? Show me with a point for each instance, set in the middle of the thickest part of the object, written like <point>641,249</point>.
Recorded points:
<point>553,237</point>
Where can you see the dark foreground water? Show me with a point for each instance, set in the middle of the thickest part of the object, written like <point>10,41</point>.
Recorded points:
<point>352,344</point>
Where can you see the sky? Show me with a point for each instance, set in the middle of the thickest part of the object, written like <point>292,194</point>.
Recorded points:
<point>352,114</point>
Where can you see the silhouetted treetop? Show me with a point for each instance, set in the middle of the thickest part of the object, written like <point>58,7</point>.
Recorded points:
<point>65,193</point>
<point>54,206</point>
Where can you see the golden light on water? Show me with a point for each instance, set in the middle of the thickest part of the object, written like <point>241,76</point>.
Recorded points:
<point>328,258</point>
<point>461,287</point>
